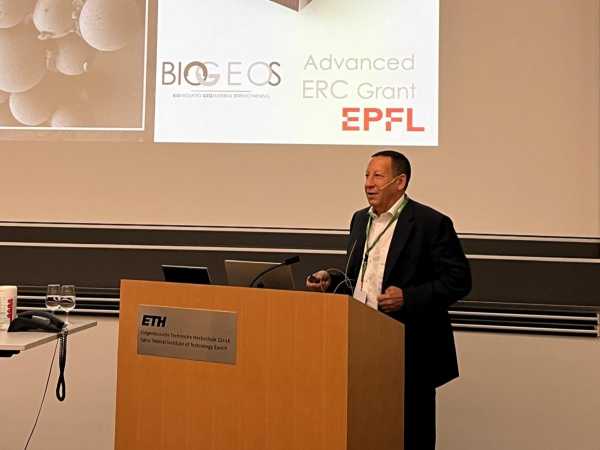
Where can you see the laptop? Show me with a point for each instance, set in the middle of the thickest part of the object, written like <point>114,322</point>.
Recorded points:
<point>185,274</point>
<point>241,273</point>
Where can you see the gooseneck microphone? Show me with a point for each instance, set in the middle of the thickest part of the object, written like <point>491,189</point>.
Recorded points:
<point>286,262</point>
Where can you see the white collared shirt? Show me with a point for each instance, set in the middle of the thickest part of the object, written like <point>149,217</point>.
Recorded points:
<point>373,279</point>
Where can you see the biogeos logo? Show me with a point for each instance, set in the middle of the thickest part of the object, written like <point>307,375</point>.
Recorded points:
<point>231,74</point>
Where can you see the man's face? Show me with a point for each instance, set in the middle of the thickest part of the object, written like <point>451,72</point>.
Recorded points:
<point>382,188</point>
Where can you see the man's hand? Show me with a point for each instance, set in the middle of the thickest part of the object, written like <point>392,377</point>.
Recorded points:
<point>391,300</point>
<point>319,281</point>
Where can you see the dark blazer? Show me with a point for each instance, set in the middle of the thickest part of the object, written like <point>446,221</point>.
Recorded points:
<point>427,262</point>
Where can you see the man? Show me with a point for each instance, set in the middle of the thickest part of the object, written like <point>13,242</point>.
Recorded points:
<point>406,260</point>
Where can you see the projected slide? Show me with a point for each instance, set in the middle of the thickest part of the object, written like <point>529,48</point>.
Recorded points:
<point>349,72</point>
<point>71,64</point>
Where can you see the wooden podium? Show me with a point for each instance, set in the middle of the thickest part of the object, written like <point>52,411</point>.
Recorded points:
<point>313,372</point>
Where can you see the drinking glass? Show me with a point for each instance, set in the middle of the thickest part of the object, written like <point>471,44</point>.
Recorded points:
<point>53,297</point>
<point>67,299</point>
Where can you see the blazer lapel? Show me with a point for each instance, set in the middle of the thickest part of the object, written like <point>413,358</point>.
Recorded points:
<point>402,232</point>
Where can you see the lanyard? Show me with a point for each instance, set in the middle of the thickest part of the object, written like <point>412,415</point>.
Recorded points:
<point>368,249</point>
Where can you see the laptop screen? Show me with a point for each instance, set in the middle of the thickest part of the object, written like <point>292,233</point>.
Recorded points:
<point>185,274</point>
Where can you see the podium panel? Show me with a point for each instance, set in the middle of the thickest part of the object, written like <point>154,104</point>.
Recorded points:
<point>312,372</point>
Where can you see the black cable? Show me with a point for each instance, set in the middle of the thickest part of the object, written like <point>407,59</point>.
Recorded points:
<point>61,388</point>
<point>43,396</point>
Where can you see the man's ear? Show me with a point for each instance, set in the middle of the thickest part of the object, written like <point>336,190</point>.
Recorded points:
<point>401,182</point>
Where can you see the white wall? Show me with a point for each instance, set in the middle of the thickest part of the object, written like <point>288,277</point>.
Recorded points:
<point>519,392</point>
<point>85,420</point>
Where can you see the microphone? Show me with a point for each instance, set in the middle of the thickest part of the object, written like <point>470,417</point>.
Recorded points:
<point>389,183</point>
<point>382,188</point>
<point>286,262</point>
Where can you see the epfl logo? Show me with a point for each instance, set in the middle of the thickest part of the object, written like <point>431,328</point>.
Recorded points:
<point>235,73</point>
<point>154,321</point>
